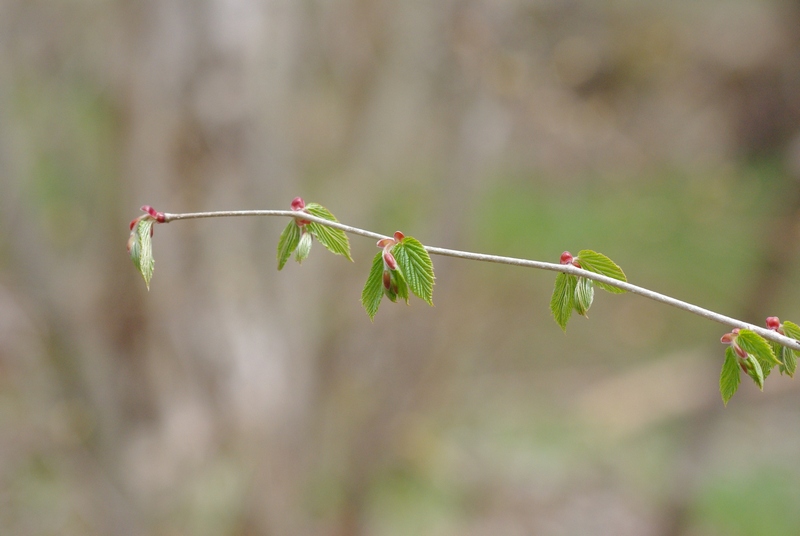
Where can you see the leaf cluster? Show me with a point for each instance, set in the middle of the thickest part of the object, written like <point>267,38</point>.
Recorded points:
<point>576,293</point>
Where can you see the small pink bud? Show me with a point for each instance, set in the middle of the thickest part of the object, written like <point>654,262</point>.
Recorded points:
<point>773,323</point>
<point>398,236</point>
<point>383,242</point>
<point>739,351</point>
<point>150,210</point>
<point>566,257</point>
<point>160,217</point>
<point>389,260</point>
<point>298,203</point>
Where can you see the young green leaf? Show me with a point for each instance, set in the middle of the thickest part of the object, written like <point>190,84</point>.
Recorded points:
<point>141,249</point>
<point>335,240</point>
<point>584,294</point>
<point>600,264</point>
<point>373,288</point>
<point>303,247</point>
<point>563,299</point>
<point>756,345</point>
<point>729,377</point>
<point>791,330</point>
<point>416,266</point>
<point>788,360</point>
<point>290,238</point>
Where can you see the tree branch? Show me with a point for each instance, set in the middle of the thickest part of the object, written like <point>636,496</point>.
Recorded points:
<point>566,268</point>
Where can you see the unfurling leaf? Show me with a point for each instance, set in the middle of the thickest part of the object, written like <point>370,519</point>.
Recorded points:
<point>303,247</point>
<point>788,360</point>
<point>757,346</point>
<point>416,267</point>
<point>754,370</point>
<point>397,288</point>
<point>140,246</point>
<point>584,294</point>
<point>787,355</point>
<point>600,264</point>
<point>290,238</point>
<point>373,288</point>
<point>729,377</point>
<point>563,299</point>
<point>335,240</point>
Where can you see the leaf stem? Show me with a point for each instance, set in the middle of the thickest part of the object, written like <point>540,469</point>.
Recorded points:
<point>513,261</point>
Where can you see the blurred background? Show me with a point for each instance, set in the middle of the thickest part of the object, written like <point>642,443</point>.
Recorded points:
<point>236,400</point>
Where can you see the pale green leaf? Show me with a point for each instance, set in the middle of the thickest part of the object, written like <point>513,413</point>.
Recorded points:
<point>789,361</point>
<point>141,249</point>
<point>290,238</point>
<point>600,264</point>
<point>416,266</point>
<point>303,247</point>
<point>562,301</point>
<point>335,240</point>
<point>753,343</point>
<point>373,288</point>
<point>791,330</point>
<point>729,378</point>
<point>584,294</point>
<point>787,355</point>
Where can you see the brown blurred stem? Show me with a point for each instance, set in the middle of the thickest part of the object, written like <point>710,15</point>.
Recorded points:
<point>565,268</point>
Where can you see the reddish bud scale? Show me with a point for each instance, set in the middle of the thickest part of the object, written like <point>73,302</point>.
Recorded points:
<point>384,242</point>
<point>398,236</point>
<point>727,338</point>
<point>387,280</point>
<point>299,204</point>
<point>566,258</point>
<point>389,260</point>
<point>158,216</point>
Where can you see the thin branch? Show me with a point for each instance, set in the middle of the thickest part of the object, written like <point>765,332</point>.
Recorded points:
<point>513,261</point>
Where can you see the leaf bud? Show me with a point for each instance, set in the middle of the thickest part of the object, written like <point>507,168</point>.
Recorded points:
<point>566,258</point>
<point>298,203</point>
<point>774,323</point>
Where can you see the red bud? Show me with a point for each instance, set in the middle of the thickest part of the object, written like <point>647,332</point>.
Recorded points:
<point>298,203</point>
<point>773,323</point>
<point>398,236</point>
<point>566,257</point>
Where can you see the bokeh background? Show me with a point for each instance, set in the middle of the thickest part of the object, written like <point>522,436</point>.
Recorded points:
<point>236,400</point>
